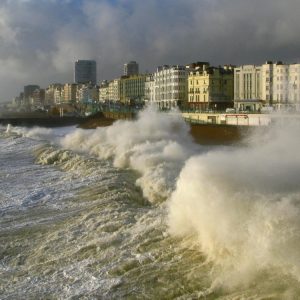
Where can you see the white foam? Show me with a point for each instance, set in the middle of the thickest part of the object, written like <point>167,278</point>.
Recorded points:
<point>8,128</point>
<point>243,206</point>
<point>156,145</point>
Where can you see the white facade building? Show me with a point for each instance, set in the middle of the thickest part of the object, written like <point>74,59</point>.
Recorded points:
<point>170,86</point>
<point>149,89</point>
<point>114,90</point>
<point>58,95</point>
<point>271,84</point>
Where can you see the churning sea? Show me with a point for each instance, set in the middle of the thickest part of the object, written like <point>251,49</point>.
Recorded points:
<point>137,210</point>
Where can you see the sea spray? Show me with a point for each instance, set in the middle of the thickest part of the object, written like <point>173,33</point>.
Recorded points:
<point>74,226</point>
<point>8,128</point>
<point>242,206</point>
<point>156,145</point>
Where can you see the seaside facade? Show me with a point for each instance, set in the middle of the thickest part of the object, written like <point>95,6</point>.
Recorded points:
<point>271,84</point>
<point>114,90</point>
<point>170,86</point>
<point>132,88</point>
<point>197,86</point>
<point>149,89</point>
<point>87,93</point>
<point>69,93</point>
<point>210,87</point>
<point>104,91</point>
<point>50,91</point>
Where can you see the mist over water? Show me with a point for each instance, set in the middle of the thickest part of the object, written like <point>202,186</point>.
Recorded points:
<point>138,210</point>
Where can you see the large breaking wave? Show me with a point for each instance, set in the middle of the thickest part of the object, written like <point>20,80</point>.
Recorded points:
<point>240,206</point>
<point>156,146</point>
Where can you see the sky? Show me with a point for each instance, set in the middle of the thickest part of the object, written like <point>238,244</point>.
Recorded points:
<point>41,39</point>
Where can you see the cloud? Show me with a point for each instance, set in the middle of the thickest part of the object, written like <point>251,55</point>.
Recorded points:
<point>41,39</point>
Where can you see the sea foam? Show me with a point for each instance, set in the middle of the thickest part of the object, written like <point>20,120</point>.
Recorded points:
<point>242,206</point>
<point>156,145</point>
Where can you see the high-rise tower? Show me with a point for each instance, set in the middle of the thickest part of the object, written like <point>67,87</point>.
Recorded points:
<point>85,71</point>
<point>131,68</point>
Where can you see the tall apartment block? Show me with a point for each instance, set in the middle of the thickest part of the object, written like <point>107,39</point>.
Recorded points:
<point>131,68</point>
<point>85,72</point>
<point>29,89</point>
<point>28,93</point>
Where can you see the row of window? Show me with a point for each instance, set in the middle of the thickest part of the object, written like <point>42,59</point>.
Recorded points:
<point>197,98</point>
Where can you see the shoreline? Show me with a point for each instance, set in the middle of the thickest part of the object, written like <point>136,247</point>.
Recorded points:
<point>208,134</point>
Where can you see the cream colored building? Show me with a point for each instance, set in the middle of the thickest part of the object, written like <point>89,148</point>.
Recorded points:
<point>70,90</point>
<point>210,87</point>
<point>149,89</point>
<point>58,95</point>
<point>50,91</point>
<point>132,88</point>
<point>270,84</point>
<point>104,91</point>
<point>114,90</point>
<point>248,88</point>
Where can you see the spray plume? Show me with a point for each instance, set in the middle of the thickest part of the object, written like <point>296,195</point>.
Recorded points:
<point>156,145</point>
<point>242,206</point>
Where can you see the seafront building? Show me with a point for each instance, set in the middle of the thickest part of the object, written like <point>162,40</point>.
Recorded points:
<point>149,89</point>
<point>131,68</point>
<point>198,86</point>
<point>114,90</point>
<point>29,90</point>
<point>104,91</point>
<point>59,95</point>
<point>283,83</point>
<point>132,89</point>
<point>69,93</point>
<point>28,93</point>
<point>85,72</point>
<point>50,93</point>
<point>275,85</point>
<point>37,98</point>
<point>87,93</point>
<point>170,86</point>
<point>248,88</point>
<point>210,87</point>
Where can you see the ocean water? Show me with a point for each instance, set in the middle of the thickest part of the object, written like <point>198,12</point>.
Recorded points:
<point>137,210</point>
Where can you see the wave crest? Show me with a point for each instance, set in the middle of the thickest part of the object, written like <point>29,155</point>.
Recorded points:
<point>156,145</point>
